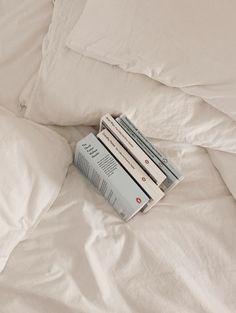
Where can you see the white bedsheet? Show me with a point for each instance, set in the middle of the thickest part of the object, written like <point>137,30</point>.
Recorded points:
<point>178,258</point>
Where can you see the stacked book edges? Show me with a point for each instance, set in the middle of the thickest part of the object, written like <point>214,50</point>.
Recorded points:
<point>125,167</point>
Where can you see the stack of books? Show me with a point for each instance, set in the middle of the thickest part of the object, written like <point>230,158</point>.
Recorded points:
<point>131,173</point>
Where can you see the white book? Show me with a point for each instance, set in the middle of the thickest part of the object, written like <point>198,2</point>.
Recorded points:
<point>109,177</point>
<point>152,151</point>
<point>172,179</point>
<point>108,122</point>
<point>132,167</point>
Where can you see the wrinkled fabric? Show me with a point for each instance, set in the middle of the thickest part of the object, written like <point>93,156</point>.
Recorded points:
<point>33,164</point>
<point>23,24</point>
<point>186,44</point>
<point>180,257</point>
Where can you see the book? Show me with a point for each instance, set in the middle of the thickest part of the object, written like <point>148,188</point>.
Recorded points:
<point>109,177</point>
<point>132,167</point>
<point>173,175</point>
<point>131,173</point>
<point>163,158</point>
<point>134,150</point>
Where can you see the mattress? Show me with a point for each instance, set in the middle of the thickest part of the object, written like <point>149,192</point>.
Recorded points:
<point>78,255</point>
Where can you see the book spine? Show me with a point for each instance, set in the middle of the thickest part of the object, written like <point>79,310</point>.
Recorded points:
<point>157,153</point>
<point>170,180</point>
<point>129,144</point>
<point>132,167</point>
<point>109,177</point>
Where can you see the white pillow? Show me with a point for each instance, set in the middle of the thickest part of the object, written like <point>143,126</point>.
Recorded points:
<point>187,44</point>
<point>33,164</point>
<point>23,25</point>
<point>71,89</point>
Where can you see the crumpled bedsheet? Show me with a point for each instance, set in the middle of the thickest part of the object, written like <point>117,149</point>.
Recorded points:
<point>180,257</point>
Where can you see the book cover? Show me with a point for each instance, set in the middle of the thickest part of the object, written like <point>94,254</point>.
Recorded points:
<point>132,167</point>
<point>159,155</point>
<point>171,180</point>
<point>130,145</point>
<point>109,177</point>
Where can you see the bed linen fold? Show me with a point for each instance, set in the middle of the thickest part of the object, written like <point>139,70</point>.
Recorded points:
<point>33,164</point>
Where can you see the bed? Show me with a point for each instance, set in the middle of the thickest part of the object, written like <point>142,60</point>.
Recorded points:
<point>62,246</point>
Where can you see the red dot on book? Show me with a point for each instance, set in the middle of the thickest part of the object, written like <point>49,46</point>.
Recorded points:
<point>138,200</point>
<point>146,161</point>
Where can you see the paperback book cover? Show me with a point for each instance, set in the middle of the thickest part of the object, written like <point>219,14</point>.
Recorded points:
<point>109,177</point>
<point>134,150</point>
<point>159,155</point>
<point>132,167</point>
<point>173,176</point>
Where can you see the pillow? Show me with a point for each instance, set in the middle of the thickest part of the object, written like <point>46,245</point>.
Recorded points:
<point>33,164</point>
<point>71,89</point>
<point>23,24</point>
<point>185,44</point>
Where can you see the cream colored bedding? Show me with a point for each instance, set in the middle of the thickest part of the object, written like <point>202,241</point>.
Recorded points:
<point>81,257</point>
<point>180,257</point>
